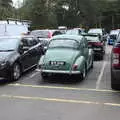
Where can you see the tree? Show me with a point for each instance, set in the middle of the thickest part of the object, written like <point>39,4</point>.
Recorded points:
<point>5,8</point>
<point>79,12</point>
<point>40,12</point>
<point>72,13</point>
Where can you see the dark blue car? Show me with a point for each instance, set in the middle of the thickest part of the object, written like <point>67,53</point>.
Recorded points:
<point>112,38</point>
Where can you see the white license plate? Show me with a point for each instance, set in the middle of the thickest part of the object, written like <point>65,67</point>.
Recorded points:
<point>97,48</point>
<point>57,63</point>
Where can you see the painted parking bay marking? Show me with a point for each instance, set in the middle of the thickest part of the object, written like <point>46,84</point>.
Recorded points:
<point>64,88</point>
<point>58,100</point>
<point>101,75</point>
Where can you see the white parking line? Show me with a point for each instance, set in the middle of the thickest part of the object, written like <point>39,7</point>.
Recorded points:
<point>62,88</point>
<point>100,75</point>
<point>58,100</point>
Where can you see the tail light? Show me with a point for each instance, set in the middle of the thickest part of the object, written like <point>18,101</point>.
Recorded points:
<point>98,43</point>
<point>95,43</point>
<point>116,57</point>
<point>49,35</point>
<point>74,67</point>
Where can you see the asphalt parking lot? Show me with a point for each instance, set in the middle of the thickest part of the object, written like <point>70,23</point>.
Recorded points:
<point>60,98</point>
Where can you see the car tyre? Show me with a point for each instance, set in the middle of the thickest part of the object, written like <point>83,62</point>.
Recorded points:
<point>83,74</point>
<point>101,57</point>
<point>16,72</point>
<point>44,76</point>
<point>92,63</point>
<point>114,86</point>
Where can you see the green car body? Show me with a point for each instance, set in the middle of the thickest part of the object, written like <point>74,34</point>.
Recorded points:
<point>66,54</point>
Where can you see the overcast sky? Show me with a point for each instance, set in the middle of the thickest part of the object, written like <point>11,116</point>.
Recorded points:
<point>16,2</point>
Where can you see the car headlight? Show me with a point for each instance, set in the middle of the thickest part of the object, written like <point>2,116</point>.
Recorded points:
<point>3,64</point>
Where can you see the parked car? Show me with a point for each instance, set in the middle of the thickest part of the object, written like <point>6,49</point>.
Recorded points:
<point>44,34</point>
<point>67,54</point>
<point>94,42</point>
<point>62,29</point>
<point>99,31</point>
<point>17,55</point>
<point>113,36</point>
<point>13,27</point>
<point>115,65</point>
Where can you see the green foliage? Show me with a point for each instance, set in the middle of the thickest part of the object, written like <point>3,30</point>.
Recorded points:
<point>40,12</point>
<point>71,13</point>
<point>5,8</point>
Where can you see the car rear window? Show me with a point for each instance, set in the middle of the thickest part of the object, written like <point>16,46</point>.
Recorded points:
<point>98,31</point>
<point>72,32</point>
<point>64,43</point>
<point>92,38</point>
<point>40,33</point>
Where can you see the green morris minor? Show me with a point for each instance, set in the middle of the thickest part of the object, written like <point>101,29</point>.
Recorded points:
<point>66,54</point>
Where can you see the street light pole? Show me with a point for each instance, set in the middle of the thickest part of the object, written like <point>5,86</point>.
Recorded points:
<point>113,26</point>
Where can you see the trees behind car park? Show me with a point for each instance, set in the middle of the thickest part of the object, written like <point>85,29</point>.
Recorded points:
<point>5,8</point>
<point>71,13</point>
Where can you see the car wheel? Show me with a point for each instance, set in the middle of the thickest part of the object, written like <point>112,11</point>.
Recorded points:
<point>92,63</point>
<point>114,86</point>
<point>101,57</point>
<point>44,76</point>
<point>83,74</point>
<point>16,72</point>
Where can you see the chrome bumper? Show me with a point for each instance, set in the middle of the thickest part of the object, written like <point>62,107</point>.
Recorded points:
<point>59,72</point>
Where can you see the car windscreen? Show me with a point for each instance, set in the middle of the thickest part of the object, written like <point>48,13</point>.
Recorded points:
<point>64,43</point>
<point>40,33</point>
<point>8,44</point>
<point>93,38</point>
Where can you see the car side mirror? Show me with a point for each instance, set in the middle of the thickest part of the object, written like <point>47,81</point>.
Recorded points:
<point>25,48</point>
<point>22,49</point>
<point>44,50</point>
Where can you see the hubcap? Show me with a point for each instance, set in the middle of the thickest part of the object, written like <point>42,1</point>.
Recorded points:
<point>16,72</point>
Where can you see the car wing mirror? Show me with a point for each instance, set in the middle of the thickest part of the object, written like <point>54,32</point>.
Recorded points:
<point>25,48</point>
<point>44,50</point>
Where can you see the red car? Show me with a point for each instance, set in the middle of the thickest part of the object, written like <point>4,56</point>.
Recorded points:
<point>115,65</point>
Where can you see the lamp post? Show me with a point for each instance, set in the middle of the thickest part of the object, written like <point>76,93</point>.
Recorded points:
<point>113,26</point>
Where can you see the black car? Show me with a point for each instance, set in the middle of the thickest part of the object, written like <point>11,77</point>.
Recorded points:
<point>95,42</point>
<point>115,65</point>
<point>44,36</point>
<point>18,55</point>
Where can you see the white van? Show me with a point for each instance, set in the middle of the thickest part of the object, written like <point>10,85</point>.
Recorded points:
<point>13,28</point>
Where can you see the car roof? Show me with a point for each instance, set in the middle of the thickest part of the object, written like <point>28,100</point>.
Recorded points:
<point>17,37</point>
<point>90,34</point>
<point>74,37</point>
<point>95,29</point>
<point>39,30</point>
<point>116,32</point>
